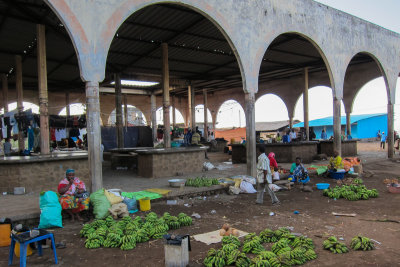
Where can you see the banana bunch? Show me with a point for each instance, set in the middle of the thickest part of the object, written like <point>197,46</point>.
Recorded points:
<point>138,220</point>
<point>102,231</point>
<point>160,230</point>
<point>304,242</point>
<point>173,223</point>
<point>310,255</point>
<point>231,240</point>
<point>184,219</point>
<point>232,256</point>
<point>215,258</point>
<point>253,245</point>
<point>130,228</point>
<point>109,221</point>
<point>116,230</point>
<point>86,230</point>
<point>229,248</point>
<point>94,241</point>
<point>268,236</point>
<point>128,242</point>
<point>362,243</point>
<point>242,260</point>
<point>151,217</point>
<point>297,256</point>
<point>113,240</point>
<point>98,223</point>
<point>352,192</point>
<point>249,237</point>
<point>274,262</point>
<point>283,250</point>
<point>358,181</point>
<point>142,236</point>
<point>215,181</point>
<point>352,196</point>
<point>278,233</point>
<point>200,182</point>
<point>259,262</point>
<point>334,246</point>
<point>373,193</point>
<point>282,243</point>
<point>267,255</point>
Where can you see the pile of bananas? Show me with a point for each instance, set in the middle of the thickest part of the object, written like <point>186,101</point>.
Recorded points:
<point>281,231</point>
<point>304,242</point>
<point>231,240</point>
<point>233,256</point>
<point>128,242</point>
<point>362,243</point>
<point>253,245</point>
<point>215,258</point>
<point>335,246</point>
<point>351,192</point>
<point>268,236</point>
<point>113,240</point>
<point>200,182</point>
<point>86,230</point>
<point>242,260</point>
<point>94,241</point>
<point>184,220</point>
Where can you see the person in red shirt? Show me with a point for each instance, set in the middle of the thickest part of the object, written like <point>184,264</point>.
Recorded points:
<point>273,165</point>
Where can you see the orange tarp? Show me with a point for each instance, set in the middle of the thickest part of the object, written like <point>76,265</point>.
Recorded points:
<point>237,134</point>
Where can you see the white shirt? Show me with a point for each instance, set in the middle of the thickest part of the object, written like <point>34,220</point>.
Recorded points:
<point>292,135</point>
<point>262,165</point>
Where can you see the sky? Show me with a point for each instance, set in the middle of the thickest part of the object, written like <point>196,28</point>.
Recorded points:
<point>372,98</point>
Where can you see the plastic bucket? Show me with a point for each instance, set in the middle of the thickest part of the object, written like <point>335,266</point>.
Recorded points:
<point>5,232</point>
<point>17,247</point>
<point>144,204</point>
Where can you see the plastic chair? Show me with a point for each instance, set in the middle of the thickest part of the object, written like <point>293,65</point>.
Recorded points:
<point>24,244</point>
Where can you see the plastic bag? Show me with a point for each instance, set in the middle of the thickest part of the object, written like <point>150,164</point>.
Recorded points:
<point>50,210</point>
<point>130,203</point>
<point>113,198</point>
<point>118,211</point>
<point>247,187</point>
<point>100,204</point>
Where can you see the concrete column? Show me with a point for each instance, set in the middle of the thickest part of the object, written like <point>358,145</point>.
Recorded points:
<point>43,93</point>
<point>173,112</point>
<point>390,133</point>
<point>337,134</point>
<point>20,97</point>
<point>67,103</point>
<point>291,122</point>
<point>205,114</point>
<point>348,123</point>
<point>250,134</point>
<point>153,116</point>
<point>305,105</point>
<point>94,135</point>
<point>118,111</point>
<point>189,108</point>
<point>192,109</point>
<point>166,104</point>
<point>126,110</point>
<point>4,82</point>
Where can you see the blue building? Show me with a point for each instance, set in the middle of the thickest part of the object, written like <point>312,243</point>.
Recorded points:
<point>362,126</point>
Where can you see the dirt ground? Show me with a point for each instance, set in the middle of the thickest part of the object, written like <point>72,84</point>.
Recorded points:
<point>314,219</point>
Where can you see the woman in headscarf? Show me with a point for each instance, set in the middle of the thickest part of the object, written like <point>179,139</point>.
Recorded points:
<point>273,166</point>
<point>73,196</point>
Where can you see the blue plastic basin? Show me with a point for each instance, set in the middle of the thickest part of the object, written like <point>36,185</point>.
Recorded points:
<point>322,186</point>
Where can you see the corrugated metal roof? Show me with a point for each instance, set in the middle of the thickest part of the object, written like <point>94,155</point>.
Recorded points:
<point>328,121</point>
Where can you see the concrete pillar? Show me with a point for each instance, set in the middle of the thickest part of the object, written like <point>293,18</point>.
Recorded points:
<point>337,133</point>
<point>153,116</point>
<point>291,122</point>
<point>4,82</point>
<point>305,105</point>
<point>205,114</point>
<point>166,104</point>
<point>118,111</point>
<point>126,110</point>
<point>20,97</point>
<point>250,134</point>
<point>390,133</point>
<point>192,109</point>
<point>94,135</point>
<point>348,123</point>
<point>189,108</point>
<point>67,103</point>
<point>173,112</point>
<point>43,93</point>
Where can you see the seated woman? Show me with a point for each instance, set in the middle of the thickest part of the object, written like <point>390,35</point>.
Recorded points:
<point>335,163</point>
<point>273,165</point>
<point>298,172</point>
<point>72,197</point>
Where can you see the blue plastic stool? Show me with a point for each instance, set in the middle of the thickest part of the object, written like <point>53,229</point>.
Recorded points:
<point>23,246</point>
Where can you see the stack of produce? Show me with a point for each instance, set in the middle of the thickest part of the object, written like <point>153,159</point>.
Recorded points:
<point>335,246</point>
<point>127,232</point>
<point>287,250</point>
<point>227,230</point>
<point>351,192</point>
<point>362,243</point>
<point>201,182</point>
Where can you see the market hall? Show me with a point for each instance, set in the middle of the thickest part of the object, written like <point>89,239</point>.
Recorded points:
<point>197,54</point>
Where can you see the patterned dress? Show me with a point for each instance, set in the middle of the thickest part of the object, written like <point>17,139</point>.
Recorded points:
<point>68,200</point>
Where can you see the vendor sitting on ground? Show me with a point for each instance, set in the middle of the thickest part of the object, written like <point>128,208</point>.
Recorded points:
<point>273,165</point>
<point>72,197</point>
<point>298,172</point>
<point>335,163</point>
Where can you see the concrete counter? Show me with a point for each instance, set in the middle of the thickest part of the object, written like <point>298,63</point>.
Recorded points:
<point>349,148</point>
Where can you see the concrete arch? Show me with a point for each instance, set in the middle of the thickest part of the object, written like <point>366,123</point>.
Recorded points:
<point>209,115</point>
<point>170,112</point>
<point>259,96</point>
<point>123,118</point>
<point>219,109</point>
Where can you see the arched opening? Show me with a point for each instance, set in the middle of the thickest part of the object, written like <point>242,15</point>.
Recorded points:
<point>178,116</point>
<point>365,93</point>
<point>269,108</point>
<point>26,105</point>
<point>135,117</point>
<point>230,115</point>
<point>199,109</point>
<point>74,109</point>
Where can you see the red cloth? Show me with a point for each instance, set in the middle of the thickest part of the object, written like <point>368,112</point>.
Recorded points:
<point>272,162</point>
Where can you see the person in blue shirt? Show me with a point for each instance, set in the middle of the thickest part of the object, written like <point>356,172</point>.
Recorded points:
<point>323,135</point>
<point>383,140</point>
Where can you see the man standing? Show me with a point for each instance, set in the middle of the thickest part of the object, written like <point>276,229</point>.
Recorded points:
<point>264,178</point>
<point>383,140</point>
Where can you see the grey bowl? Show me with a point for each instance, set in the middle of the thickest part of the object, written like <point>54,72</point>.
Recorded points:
<point>177,182</point>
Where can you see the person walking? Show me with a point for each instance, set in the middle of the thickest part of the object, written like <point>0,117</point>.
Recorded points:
<point>383,140</point>
<point>264,178</point>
